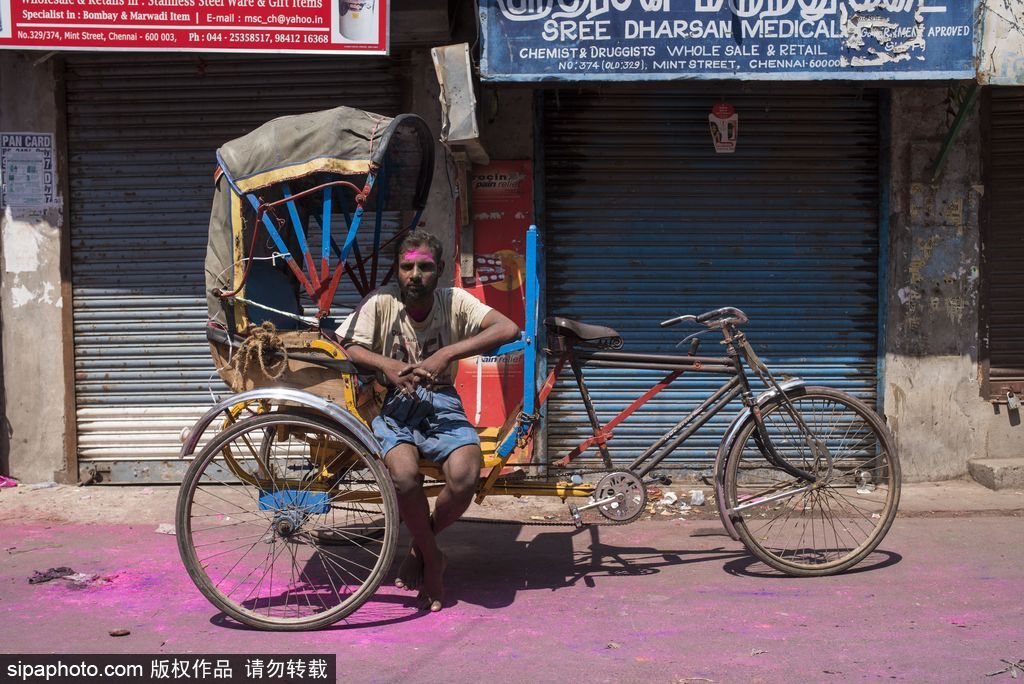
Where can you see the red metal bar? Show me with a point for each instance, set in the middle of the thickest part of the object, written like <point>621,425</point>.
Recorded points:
<point>324,302</point>
<point>309,191</point>
<point>605,434</point>
<point>629,410</point>
<point>301,277</point>
<point>549,383</point>
<point>313,275</point>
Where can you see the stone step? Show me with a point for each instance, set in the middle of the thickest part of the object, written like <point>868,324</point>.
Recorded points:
<point>998,473</point>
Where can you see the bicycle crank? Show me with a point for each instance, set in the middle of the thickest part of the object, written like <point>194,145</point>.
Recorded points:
<point>619,496</point>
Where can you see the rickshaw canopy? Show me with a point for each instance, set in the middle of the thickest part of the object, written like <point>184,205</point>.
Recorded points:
<point>275,182</point>
<point>343,141</point>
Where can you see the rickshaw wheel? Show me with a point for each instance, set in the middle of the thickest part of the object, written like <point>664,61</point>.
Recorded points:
<point>238,411</point>
<point>256,546</point>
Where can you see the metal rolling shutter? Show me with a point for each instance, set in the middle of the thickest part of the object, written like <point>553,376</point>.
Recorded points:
<point>142,131</point>
<point>646,221</point>
<point>1004,242</point>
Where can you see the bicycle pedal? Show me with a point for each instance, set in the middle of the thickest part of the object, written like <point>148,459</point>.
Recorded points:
<point>659,478</point>
<point>574,513</point>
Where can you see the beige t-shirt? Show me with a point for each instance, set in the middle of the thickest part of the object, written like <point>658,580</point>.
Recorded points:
<point>382,325</point>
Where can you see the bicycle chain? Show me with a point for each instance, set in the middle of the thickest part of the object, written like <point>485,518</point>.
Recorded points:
<point>548,523</point>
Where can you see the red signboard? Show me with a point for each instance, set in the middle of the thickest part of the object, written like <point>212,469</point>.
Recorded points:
<point>294,26</point>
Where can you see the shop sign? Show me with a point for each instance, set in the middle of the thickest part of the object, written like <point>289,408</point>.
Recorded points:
<point>635,40</point>
<point>291,26</point>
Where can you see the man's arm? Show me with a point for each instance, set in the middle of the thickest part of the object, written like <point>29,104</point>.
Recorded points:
<point>495,330</point>
<point>398,373</point>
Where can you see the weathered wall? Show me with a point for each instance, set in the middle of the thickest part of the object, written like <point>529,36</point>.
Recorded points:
<point>505,117</point>
<point>932,392</point>
<point>1001,60</point>
<point>30,296</point>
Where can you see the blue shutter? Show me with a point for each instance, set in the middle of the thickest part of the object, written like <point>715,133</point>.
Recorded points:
<point>645,221</point>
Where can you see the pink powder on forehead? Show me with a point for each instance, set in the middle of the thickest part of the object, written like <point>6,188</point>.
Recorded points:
<point>417,255</point>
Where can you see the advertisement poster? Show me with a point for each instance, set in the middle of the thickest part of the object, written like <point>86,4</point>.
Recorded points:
<point>635,40</point>
<point>26,171</point>
<point>501,197</point>
<point>289,26</point>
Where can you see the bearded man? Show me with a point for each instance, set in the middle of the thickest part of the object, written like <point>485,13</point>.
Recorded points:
<point>413,334</point>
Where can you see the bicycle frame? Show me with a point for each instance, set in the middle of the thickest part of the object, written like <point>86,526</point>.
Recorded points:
<point>737,384</point>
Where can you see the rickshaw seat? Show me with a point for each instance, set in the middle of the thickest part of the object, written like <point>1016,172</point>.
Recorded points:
<point>583,332</point>
<point>490,439</point>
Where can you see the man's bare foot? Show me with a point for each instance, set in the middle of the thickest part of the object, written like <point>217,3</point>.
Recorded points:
<point>431,596</point>
<point>410,573</point>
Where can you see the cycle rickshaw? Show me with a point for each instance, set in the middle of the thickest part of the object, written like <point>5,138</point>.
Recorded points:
<point>287,518</point>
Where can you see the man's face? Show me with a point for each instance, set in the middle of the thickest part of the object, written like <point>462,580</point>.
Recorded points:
<point>417,273</point>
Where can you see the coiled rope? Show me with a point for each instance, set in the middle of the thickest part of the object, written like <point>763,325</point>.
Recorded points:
<point>259,350</point>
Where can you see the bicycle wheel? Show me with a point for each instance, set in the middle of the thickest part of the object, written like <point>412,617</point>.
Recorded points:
<point>820,527</point>
<point>285,522</point>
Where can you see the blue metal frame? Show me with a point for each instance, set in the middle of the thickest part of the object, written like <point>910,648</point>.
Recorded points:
<point>357,218</point>
<point>350,238</point>
<point>271,229</point>
<point>293,213</point>
<point>527,342</point>
<point>325,225</point>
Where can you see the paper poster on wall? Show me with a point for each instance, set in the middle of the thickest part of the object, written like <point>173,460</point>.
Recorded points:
<point>725,127</point>
<point>26,169</point>
<point>501,196</point>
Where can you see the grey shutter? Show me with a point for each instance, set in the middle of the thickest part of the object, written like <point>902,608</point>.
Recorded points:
<point>142,131</point>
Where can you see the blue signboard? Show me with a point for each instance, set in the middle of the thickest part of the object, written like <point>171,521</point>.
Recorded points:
<point>636,40</point>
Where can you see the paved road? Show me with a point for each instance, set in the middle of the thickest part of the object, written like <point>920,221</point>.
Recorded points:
<point>656,601</point>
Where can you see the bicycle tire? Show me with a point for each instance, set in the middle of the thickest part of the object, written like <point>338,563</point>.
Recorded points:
<point>273,491</point>
<point>828,526</point>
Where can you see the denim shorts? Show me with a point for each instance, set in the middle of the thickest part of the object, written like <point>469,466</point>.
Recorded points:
<point>433,421</point>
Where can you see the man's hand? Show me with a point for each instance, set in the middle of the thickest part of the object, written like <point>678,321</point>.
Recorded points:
<point>432,369</point>
<point>401,375</point>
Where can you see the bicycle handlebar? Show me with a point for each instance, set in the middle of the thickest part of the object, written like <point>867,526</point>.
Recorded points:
<point>712,319</point>
<point>678,319</point>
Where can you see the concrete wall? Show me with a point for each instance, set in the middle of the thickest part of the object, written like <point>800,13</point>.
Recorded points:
<point>932,391</point>
<point>30,296</point>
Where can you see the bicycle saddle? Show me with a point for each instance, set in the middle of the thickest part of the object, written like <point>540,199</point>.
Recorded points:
<point>584,332</point>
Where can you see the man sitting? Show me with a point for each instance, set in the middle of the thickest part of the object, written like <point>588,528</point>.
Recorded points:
<point>413,335</point>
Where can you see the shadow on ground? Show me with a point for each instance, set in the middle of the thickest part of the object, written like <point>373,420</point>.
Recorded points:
<point>491,564</point>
